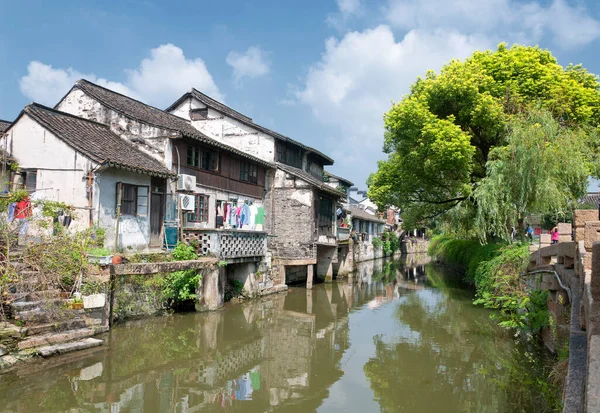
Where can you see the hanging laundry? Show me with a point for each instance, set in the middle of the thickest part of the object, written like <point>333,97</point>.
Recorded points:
<point>23,209</point>
<point>253,212</point>
<point>259,220</point>
<point>11,212</point>
<point>245,215</point>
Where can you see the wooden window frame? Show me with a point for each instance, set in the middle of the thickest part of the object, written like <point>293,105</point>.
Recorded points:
<point>248,172</point>
<point>201,209</point>
<point>203,159</point>
<point>131,200</point>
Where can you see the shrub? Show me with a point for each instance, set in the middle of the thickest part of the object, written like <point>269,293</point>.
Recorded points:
<point>377,242</point>
<point>180,286</point>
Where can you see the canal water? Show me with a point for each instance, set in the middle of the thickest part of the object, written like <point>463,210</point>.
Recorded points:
<point>397,337</point>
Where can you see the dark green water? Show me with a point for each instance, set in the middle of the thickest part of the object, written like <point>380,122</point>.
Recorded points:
<point>397,339</point>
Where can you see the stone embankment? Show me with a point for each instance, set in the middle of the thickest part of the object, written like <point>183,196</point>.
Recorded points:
<point>570,272</point>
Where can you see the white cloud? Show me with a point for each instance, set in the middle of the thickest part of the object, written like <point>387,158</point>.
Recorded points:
<point>159,79</point>
<point>254,62</point>
<point>347,9</point>
<point>358,77</point>
<point>567,26</point>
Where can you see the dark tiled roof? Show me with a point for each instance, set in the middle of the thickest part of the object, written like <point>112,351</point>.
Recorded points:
<point>95,140</point>
<point>590,199</point>
<point>153,116</point>
<point>359,213</point>
<point>305,176</point>
<point>339,178</point>
<point>4,124</point>
<point>220,107</point>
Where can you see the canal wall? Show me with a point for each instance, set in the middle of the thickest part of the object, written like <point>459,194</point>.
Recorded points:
<point>570,272</point>
<point>351,254</point>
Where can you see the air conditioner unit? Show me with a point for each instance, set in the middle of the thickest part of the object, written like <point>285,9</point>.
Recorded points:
<point>187,202</point>
<point>186,182</point>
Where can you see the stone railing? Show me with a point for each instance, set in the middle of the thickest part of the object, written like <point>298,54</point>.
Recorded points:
<point>570,272</point>
<point>228,244</point>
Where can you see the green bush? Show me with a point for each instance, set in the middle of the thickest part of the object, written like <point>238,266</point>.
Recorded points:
<point>465,253</point>
<point>180,286</point>
<point>377,243</point>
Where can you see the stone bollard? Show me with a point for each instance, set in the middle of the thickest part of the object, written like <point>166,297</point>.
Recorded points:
<point>545,240</point>
<point>565,231</point>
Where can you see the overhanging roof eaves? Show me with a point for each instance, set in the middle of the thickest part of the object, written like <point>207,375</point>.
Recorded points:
<point>339,178</point>
<point>150,115</point>
<point>305,176</point>
<point>220,107</point>
<point>95,141</point>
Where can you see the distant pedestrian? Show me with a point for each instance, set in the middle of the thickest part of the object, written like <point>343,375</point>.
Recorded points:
<point>513,233</point>
<point>529,233</point>
<point>555,235</point>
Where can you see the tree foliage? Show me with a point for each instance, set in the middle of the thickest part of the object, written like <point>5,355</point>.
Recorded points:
<point>540,170</point>
<point>440,136</point>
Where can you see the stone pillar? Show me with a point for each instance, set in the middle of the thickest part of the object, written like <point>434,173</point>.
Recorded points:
<point>325,262</point>
<point>580,217</point>
<point>310,269</point>
<point>211,293</point>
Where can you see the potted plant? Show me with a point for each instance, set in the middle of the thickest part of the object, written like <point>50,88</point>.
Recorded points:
<point>102,256</point>
<point>77,304</point>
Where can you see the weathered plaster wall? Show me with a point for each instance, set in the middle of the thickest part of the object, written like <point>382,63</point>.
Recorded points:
<point>230,131</point>
<point>61,171</point>
<point>134,231</point>
<point>150,139</point>
<point>292,218</point>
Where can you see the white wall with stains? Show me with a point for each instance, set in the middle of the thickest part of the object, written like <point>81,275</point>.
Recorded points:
<point>229,130</point>
<point>134,231</point>
<point>61,171</point>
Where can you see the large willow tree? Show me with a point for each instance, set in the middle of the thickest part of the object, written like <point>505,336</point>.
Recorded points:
<point>440,136</point>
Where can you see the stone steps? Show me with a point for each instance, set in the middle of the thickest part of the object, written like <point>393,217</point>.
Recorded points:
<point>21,306</point>
<point>55,327</point>
<point>44,316</point>
<point>86,343</point>
<point>55,338</point>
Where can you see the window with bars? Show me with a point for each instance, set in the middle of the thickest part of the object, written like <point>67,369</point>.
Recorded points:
<point>134,199</point>
<point>202,158</point>
<point>200,213</point>
<point>249,172</point>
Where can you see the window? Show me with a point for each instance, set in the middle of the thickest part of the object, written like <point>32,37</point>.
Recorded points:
<point>31,181</point>
<point>199,114</point>
<point>134,199</point>
<point>202,158</point>
<point>200,213</point>
<point>248,172</point>
<point>289,155</point>
<point>325,215</point>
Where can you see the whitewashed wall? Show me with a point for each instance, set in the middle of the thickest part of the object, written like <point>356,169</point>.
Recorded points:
<point>134,231</point>
<point>61,171</point>
<point>229,131</point>
<point>154,140</point>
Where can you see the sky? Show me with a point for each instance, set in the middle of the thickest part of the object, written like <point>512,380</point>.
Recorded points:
<point>322,72</point>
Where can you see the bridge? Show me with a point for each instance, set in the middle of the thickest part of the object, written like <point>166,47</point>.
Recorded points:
<point>570,272</point>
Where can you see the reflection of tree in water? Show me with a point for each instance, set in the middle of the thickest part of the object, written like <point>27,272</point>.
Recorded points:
<point>450,359</point>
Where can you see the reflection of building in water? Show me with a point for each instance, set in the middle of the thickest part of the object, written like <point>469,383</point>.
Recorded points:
<point>283,350</point>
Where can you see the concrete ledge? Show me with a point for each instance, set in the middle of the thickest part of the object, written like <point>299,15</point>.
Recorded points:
<point>159,267</point>
<point>592,401</point>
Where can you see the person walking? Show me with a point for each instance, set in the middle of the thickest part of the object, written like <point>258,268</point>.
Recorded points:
<point>555,235</point>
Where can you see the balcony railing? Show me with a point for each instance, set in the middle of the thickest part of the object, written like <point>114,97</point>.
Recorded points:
<point>228,244</point>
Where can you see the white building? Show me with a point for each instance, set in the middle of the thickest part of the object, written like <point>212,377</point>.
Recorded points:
<point>82,163</point>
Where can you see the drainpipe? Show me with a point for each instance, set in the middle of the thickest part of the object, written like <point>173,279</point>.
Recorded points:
<point>119,196</point>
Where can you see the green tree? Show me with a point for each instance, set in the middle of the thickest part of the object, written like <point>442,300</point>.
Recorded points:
<point>542,169</point>
<point>439,137</point>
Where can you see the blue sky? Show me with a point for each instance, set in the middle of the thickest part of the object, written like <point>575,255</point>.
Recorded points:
<point>322,72</point>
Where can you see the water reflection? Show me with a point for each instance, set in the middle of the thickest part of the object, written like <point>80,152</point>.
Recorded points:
<point>383,341</point>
